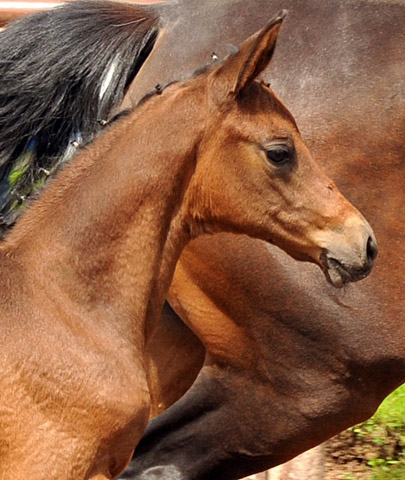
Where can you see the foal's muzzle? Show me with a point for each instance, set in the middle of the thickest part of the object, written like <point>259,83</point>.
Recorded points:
<point>351,257</point>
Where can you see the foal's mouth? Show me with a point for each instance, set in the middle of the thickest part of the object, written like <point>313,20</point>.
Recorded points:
<point>339,274</point>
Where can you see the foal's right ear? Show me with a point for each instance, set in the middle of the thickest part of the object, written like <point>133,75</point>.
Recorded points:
<point>241,68</point>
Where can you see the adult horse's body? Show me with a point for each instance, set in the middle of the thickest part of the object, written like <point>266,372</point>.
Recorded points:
<point>303,361</point>
<point>84,275</point>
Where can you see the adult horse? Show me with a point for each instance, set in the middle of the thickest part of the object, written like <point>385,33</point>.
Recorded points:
<point>311,369</point>
<point>84,276</point>
<point>322,360</point>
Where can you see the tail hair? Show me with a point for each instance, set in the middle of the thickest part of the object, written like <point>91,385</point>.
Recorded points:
<point>62,72</point>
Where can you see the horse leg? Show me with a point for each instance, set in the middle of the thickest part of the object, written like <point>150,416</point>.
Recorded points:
<point>217,406</point>
<point>228,426</point>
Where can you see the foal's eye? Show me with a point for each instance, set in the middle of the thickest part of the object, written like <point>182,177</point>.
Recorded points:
<point>279,154</point>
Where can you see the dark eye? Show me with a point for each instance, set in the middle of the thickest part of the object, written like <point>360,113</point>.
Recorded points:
<point>279,154</point>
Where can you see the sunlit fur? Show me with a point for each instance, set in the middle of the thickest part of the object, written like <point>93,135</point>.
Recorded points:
<point>84,274</point>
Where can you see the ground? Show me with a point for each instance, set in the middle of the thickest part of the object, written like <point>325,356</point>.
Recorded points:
<point>357,454</point>
<point>374,450</point>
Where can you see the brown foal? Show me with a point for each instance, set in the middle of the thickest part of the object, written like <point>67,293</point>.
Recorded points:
<point>85,272</point>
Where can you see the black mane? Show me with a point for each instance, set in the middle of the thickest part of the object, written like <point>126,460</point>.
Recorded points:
<point>53,93</point>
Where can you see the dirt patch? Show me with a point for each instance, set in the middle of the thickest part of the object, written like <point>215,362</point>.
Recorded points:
<point>348,454</point>
<point>344,457</point>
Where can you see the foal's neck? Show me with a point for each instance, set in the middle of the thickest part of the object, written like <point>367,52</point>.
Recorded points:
<point>107,233</point>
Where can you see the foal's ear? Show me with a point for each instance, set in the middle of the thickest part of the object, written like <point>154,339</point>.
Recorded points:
<point>240,69</point>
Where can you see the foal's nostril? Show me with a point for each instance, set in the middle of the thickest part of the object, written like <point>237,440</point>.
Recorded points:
<point>372,250</point>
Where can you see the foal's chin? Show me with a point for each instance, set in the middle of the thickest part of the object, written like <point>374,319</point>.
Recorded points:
<point>335,272</point>
<point>340,266</point>
<point>339,274</point>
<point>348,255</point>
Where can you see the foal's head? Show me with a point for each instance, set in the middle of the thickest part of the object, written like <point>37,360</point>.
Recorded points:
<point>255,175</point>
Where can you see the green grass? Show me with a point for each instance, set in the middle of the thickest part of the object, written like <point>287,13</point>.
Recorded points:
<point>392,473</point>
<point>386,430</point>
<point>392,410</point>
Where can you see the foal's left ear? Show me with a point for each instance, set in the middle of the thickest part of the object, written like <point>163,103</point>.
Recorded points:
<point>240,69</point>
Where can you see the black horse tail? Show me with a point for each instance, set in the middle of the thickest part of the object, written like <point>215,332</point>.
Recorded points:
<point>62,71</point>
